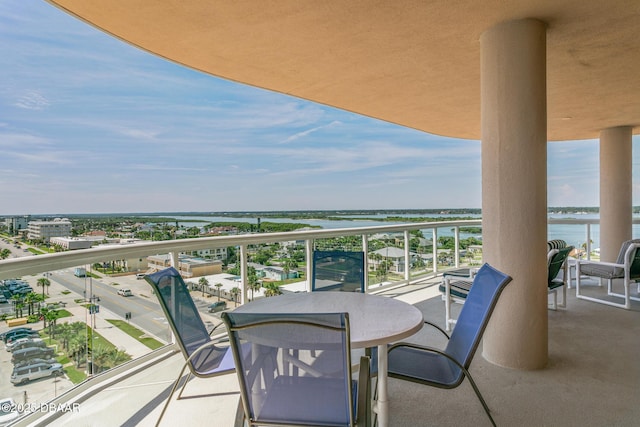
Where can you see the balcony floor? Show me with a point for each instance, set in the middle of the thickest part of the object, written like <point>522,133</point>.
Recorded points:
<point>592,379</point>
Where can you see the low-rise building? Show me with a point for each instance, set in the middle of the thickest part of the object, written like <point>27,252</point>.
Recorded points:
<point>187,265</point>
<point>45,230</point>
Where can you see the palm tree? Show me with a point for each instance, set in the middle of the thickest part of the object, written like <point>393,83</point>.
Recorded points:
<point>218,286</point>
<point>203,283</point>
<point>5,253</point>
<point>43,281</point>
<point>234,294</point>
<point>29,300</point>
<point>99,357</point>
<point>254,285</point>
<point>116,357</point>
<point>271,290</point>
<point>65,333</point>
<point>50,317</point>
<point>76,350</point>
<point>18,304</point>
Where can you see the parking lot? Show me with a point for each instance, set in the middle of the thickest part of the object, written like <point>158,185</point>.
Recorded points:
<point>37,391</point>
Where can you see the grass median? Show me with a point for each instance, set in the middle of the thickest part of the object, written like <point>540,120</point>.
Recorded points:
<point>136,333</point>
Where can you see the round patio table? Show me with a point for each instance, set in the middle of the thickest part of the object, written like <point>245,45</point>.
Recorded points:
<point>374,321</point>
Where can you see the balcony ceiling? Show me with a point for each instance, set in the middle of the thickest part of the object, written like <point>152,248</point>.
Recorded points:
<point>414,63</point>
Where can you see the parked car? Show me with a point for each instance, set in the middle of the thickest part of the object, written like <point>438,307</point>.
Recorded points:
<point>32,353</point>
<point>24,374</point>
<point>20,334</point>
<point>125,292</point>
<point>49,360</point>
<point>24,343</point>
<point>4,334</point>
<point>8,411</point>
<point>217,306</point>
<point>23,290</point>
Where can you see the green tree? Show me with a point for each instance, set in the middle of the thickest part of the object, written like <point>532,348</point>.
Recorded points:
<point>271,289</point>
<point>18,304</point>
<point>203,282</point>
<point>234,294</point>
<point>5,253</point>
<point>44,282</point>
<point>50,318</point>
<point>218,286</point>
<point>30,299</point>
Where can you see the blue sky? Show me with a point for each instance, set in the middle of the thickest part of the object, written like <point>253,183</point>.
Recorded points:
<point>89,124</point>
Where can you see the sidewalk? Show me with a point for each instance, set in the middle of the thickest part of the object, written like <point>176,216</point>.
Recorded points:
<point>80,314</point>
<point>110,332</point>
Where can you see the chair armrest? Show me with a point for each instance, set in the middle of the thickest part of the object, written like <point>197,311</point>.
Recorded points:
<point>611,264</point>
<point>430,350</point>
<point>438,328</point>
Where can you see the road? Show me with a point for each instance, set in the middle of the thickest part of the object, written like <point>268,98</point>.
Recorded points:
<point>146,313</point>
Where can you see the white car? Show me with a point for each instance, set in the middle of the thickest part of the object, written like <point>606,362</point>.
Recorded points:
<point>24,343</point>
<point>125,292</point>
<point>8,411</point>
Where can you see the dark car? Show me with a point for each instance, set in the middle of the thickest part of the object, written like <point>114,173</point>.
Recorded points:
<point>32,353</point>
<point>10,333</point>
<point>217,306</point>
<point>25,362</point>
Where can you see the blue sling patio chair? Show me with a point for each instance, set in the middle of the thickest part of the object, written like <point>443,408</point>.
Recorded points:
<point>283,384</point>
<point>204,356</point>
<point>448,368</point>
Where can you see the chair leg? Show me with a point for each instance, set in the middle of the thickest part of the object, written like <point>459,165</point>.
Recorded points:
<point>480,398</point>
<point>184,386</point>
<point>173,390</point>
<point>554,304</point>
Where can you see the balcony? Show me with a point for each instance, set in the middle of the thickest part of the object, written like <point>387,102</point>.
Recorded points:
<point>591,379</point>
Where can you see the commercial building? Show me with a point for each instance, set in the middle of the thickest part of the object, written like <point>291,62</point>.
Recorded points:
<point>45,230</point>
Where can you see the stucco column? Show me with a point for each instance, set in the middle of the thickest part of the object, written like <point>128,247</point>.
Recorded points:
<point>616,206</point>
<point>514,188</point>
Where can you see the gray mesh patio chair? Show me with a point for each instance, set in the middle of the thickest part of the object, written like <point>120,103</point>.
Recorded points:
<point>448,368</point>
<point>283,384</point>
<point>626,268</point>
<point>338,271</point>
<point>204,357</point>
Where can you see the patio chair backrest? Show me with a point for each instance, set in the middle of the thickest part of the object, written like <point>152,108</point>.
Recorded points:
<point>635,257</point>
<point>556,244</point>
<point>556,261</point>
<point>185,321</point>
<point>338,271</point>
<point>293,368</point>
<point>487,286</point>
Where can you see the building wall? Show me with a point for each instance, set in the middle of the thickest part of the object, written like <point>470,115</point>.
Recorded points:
<point>45,230</point>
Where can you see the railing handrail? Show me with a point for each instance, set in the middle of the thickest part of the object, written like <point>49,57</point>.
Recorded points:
<point>16,267</point>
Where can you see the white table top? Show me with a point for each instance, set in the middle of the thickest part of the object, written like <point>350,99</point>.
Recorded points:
<point>374,320</point>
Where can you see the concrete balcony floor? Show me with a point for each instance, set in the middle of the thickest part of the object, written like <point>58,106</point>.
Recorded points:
<point>592,379</point>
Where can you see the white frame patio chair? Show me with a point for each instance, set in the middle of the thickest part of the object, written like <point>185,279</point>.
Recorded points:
<point>626,267</point>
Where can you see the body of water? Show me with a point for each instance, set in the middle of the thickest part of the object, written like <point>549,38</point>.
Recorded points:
<point>574,235</point>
